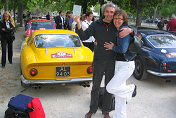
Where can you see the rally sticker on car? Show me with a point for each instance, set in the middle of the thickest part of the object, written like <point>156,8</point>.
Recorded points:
<point>61,55</point>
<point>41,28</point>
<point>171,55</point>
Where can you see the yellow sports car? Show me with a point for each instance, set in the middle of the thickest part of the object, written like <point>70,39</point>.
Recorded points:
<point>55,56</point>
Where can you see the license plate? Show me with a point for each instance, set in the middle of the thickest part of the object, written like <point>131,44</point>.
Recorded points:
<point>62,71</point>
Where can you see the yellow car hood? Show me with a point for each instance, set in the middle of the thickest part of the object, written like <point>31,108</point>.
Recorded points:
<point>62,55</point>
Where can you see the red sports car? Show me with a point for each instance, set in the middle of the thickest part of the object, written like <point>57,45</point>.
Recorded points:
<point>39,25</point>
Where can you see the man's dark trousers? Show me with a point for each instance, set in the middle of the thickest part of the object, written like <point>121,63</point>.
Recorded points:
<point>99,68</point>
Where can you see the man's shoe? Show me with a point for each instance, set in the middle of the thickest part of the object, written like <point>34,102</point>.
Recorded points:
<point>134,92</point>
<point>106,115</point>
<point>89,115</point>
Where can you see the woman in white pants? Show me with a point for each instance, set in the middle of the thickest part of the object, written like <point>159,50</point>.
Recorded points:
<point>124,67</point>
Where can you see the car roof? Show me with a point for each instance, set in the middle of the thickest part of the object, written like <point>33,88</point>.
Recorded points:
<point>41,21</point>
<point>53,31</point>
<point>152,31</point>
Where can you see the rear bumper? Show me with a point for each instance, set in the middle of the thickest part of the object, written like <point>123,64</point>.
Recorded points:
<point>54,81</point>
<point>161,74</point>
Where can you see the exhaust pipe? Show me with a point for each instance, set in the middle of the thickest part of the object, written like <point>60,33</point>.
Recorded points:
<point>85,84</point>
<point>38,86</point>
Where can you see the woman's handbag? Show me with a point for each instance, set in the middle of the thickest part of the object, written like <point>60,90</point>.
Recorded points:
<point>135,45</point>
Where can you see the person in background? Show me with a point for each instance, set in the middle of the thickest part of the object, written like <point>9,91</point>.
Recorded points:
<point>103,31</point>
<point>27,19</point>
<point>48,16</point>
<point>85,24</point>
<point>66,21</point>
<point>59,20</point>
<point>70,20</point>
<point>83,17</point>
<point>124,67</point>
<point>7,32</point>
<point>160,25</point>
<point>24,19</point>
<point>171,26</point>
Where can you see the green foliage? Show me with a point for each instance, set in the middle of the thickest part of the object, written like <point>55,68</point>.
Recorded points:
<point>130,6</point>
<point>97,8</point>
<point>2,4</point>
<point>167,9</point>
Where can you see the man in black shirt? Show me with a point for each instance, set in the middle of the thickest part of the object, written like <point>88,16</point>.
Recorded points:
<point>59,20</point>
<point>48,16</point>
<point>160,24</point>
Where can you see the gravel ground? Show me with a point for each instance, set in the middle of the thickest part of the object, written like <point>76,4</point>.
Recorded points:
<point>155,98</point>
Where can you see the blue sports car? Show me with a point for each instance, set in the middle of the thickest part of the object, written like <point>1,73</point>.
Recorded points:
<point>157,56</point>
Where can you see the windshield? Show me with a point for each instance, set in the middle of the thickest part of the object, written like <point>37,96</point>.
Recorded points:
<point>57,41</point>
<point>163,41</point>
<point>41,25</point>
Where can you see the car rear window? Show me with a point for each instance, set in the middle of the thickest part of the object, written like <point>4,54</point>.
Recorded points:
<point>163,41</point>
<point>41,25</point>
<point>57,41</point>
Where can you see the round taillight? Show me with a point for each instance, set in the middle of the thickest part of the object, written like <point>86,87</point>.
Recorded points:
<point>33,72</point>
<point>164,68</point>
<point>89,70</point>
<point>164,64</point>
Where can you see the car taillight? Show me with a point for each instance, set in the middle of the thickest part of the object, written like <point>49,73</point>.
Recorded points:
<point>33,72</point>
<point>89,70</point>
<point>164,66</point>
<point>169,71</point>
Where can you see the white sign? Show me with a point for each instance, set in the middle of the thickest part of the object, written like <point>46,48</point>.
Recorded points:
<point>77,10</point>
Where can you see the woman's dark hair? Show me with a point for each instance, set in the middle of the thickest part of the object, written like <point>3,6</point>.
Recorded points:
<point>88,13</point>
<point>122,13</point>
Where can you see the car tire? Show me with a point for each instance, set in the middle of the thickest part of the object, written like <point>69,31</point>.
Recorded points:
<point>140,71</point>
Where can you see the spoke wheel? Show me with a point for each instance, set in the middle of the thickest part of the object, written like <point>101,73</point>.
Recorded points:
<point>139,72</point>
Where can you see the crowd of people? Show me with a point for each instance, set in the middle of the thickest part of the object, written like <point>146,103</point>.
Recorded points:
<point>171,25</point>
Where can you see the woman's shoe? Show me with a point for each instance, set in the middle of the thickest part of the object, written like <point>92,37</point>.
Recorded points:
<point>134,92</point>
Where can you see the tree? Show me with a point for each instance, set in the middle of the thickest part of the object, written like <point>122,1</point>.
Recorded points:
<point>20,13</point>
<point>139,13</point>
<point>138,7</point>
<point>6,5</point>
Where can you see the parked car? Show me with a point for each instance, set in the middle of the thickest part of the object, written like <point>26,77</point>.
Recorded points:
<point>149,20</point>
<point>39,25</point>
<point>172,32</point>
<point>55,56</point>
<point>157,55</point>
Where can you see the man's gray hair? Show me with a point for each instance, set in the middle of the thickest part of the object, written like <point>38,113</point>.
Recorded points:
<point>109,4</point>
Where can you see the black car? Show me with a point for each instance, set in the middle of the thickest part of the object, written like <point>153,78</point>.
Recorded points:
<point>157,56</point>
